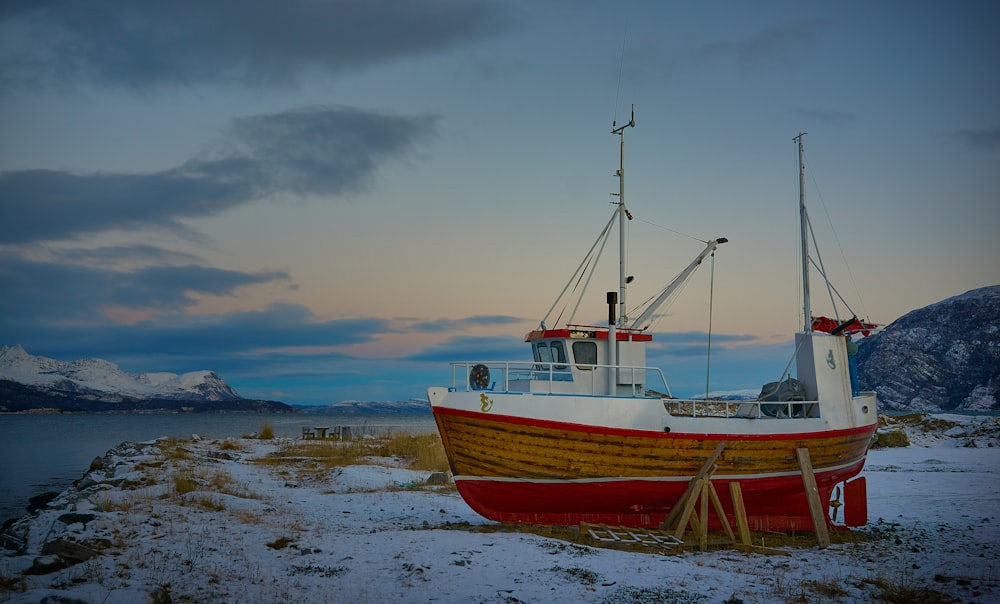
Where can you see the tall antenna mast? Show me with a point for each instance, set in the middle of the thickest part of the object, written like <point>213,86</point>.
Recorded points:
<point>622,214</point>
<point>804,230</point>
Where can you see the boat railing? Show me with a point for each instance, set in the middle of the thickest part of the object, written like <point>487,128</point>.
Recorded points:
<point>552,377</point>
<point>741,408</point>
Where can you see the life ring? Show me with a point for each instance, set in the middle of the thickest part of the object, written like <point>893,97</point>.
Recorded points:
<point>479,377</point>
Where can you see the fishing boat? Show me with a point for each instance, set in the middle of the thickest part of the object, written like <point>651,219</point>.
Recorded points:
<point>584,431</point>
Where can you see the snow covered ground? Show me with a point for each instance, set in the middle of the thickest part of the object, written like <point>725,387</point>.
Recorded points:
<point>251,532</point>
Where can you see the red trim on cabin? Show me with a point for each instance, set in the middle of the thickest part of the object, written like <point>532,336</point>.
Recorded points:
<point>599,333</point>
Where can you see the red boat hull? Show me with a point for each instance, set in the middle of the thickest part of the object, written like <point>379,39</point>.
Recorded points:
<point>776,504</point>
<point>514,470</point>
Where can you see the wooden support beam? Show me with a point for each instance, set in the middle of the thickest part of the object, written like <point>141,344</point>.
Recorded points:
<point>816,509</point>
<point>706,486</point>
<point>678,507</point>
<point>694,523</point>
<point>688,508</point>
<point>736,493</point>
<point>721,513</point>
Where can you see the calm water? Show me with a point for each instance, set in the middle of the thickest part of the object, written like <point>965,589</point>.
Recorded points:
<point>41,453</point>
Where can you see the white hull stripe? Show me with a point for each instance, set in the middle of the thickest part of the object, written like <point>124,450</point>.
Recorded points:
<point>727,477</point>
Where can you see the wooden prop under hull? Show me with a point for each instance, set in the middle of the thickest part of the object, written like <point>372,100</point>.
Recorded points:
<point>523,471</point>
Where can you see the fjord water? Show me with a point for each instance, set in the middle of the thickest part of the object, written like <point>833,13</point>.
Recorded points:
<point>48,452</point>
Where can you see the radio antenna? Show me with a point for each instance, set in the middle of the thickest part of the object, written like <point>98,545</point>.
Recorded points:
<point>621,66</point>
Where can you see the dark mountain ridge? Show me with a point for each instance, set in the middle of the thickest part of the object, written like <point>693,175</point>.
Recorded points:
<point>20,398</point>
<point>943,357</point>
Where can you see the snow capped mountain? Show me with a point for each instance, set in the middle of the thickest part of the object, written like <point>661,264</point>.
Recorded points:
<point>105,381</point>
<point>942,357</point>
<point>414,405</point>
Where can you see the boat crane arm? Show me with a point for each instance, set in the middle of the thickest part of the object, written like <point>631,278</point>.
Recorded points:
<point>644,320</point>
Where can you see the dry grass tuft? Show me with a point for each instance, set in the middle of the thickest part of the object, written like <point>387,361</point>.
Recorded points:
<point>894,438</point>
<point>11,584</point>
<point>173,449</point>
<point>184,482</point>
<point>266,431</point>
<point>187,480</point>
<point>280,543</point>
<point>208,501</point>
<point>830,589</point>
<point>906,589</point>
<point>125,501</point>
<point>419,451</point>
<point>231,444</point>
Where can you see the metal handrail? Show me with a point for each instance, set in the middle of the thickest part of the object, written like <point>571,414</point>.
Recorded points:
<point>549,372</point>
<point>753,409</point>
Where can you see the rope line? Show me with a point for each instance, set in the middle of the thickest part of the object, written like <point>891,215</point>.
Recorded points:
<point>660,226</point>
<point>708,356</point>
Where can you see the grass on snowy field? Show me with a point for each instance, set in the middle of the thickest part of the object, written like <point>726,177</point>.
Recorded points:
<point>412,451</point>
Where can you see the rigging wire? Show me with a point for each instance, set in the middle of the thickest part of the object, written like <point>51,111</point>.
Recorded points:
<point>666,306</point>
<point>822,268</point>
<point>843,255</point>
<point>711,300</point>
<point>588,264</point>
<point>638,307</point>
<point>660,226</point>
<point>842,300</point>
<point>590,275</point>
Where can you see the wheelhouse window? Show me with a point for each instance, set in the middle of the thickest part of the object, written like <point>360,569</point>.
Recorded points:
<point>550,352</point>
<point>585,353</point>
<point>558,354</point>
<point>542,354</point>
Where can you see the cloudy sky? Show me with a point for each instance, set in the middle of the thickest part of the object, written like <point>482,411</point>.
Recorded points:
<point>329,200</point>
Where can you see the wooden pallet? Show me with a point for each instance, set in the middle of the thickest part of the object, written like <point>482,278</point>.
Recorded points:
<point>628,535</point>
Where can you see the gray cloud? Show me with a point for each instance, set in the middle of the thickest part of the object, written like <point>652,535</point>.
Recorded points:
<point>667,347</point>
<point>778,44</point>
<point>249,42</point>
<point>131,254</point>
<point>984,139</point>
<point>51,293</point>
<point>443,325</point>
<point>321,151</point>
<point>647,57</point>
<point>190,340</point>
<point>700,337</point>
<point>281,325</point>
<point>470,348</point>
<point>317,150</point>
